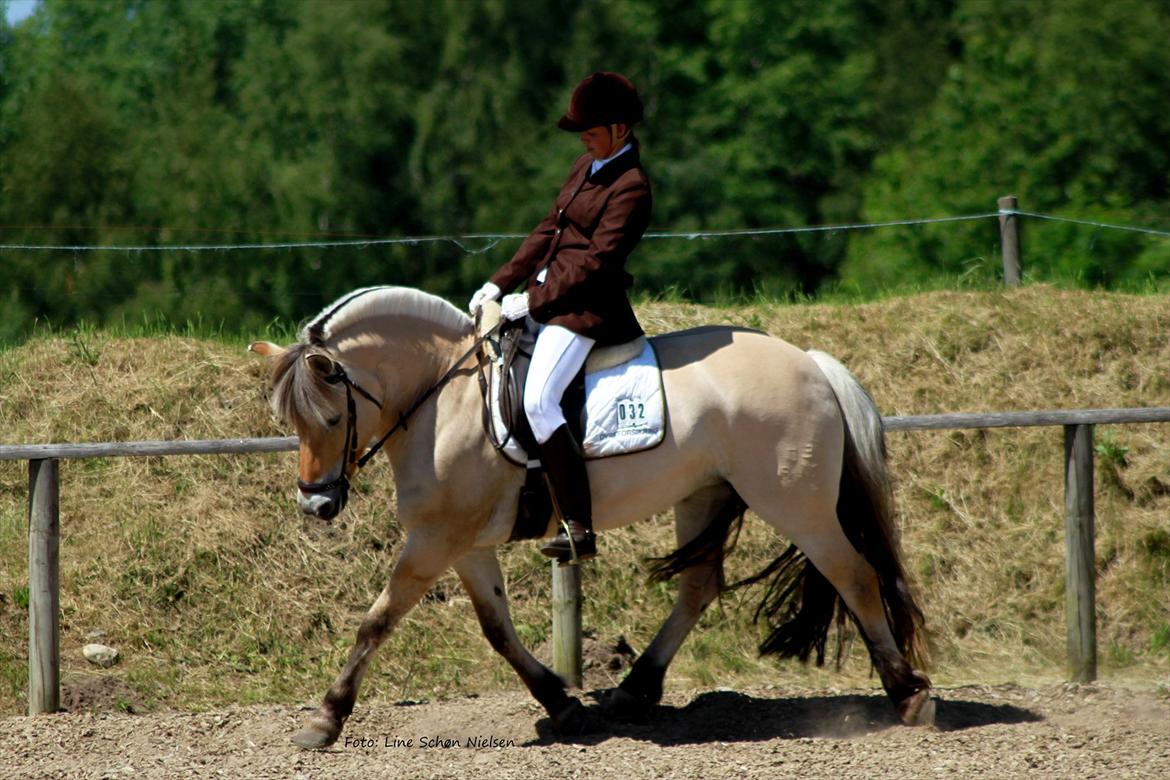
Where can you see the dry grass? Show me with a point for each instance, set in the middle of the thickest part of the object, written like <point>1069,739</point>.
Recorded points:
<point>202,572</point>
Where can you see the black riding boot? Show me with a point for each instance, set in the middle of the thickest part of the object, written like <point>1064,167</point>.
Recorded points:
<point>564,464</point>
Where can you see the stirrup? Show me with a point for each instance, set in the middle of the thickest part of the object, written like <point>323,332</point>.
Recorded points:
<point>572,558</point>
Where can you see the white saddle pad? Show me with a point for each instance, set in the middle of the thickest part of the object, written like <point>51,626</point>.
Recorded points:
<point>624,409</point>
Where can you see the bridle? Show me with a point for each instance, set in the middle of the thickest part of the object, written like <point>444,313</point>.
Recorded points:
<point>339,376</point>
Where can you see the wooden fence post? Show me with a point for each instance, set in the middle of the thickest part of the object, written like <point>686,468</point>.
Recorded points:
<point>1080,584</point>
<point>566,625</point>
<point>44,637</point>
<point>1009,239</point>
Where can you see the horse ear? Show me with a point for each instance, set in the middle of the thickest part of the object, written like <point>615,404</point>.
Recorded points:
<point>266,349</point>
<point>321,364</point>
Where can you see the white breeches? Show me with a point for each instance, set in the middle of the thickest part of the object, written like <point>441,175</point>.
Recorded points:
<point>557,357</point>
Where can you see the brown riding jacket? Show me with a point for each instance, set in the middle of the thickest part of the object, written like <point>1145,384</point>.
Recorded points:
<point>584,242</point>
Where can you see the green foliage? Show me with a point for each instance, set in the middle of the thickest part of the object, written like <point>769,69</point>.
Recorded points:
<point>1160,643</point>
<point>261,121</point>
<point>1049,102</point>
<point>1111,451</point>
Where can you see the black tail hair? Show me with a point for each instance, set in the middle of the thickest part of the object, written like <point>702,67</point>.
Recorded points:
<point>799,606</point>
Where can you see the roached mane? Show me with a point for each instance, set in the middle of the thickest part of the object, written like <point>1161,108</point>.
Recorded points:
<point>383,301</point>
<point>299,396</point>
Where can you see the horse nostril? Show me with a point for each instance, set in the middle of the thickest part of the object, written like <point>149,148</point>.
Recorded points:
<point>327,509</point>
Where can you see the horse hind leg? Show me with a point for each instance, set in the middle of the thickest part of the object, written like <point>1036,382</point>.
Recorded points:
<point>857,583</point>
<point>908,688</point>
<point>832,557</point>
<point>479,571</point>
<point>710,510</point>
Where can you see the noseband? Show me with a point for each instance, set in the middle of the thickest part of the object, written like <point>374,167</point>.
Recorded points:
<point>351,435</point>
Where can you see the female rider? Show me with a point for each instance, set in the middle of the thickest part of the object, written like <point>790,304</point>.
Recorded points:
<point>571,270</point>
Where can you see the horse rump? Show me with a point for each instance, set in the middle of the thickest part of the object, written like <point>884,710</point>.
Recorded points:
<point>799,604</point>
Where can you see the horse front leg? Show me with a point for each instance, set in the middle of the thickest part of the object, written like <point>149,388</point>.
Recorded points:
<point>422,561</point>
<point>479,570</point>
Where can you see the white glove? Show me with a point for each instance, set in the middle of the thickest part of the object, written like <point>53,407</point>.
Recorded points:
<point>514,307</point>
<point>489,292</point>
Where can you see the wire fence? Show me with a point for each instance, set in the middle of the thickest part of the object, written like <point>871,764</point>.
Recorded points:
<point>463,241</point>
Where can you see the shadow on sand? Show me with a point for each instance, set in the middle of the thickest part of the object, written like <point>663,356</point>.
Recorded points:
<point>727,716</point>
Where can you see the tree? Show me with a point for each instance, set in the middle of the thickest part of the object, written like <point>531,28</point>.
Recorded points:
<point>1054,103</point>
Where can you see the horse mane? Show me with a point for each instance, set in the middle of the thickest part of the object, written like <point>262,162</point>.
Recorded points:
<point>384,301</point>
<point>299,394</point>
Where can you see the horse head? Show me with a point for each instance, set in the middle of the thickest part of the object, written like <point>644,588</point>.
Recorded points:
<point>334,408</point>
<point>366,361</point>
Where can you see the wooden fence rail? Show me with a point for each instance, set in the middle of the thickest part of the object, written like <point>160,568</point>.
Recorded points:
<point>44,526</point>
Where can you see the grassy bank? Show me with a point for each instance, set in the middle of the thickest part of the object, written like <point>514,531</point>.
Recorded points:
<point>203,574</point>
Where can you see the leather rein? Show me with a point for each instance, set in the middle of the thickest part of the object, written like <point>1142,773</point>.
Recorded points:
<point>339,376</point>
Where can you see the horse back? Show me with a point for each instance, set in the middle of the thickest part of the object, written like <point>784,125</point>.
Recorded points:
<point>731,350</point>
<point>745,376</point>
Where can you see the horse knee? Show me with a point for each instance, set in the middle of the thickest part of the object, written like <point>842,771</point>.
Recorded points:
<point>373,628</point>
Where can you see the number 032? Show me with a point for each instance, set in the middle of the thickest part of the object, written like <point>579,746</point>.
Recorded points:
<point>631,412</point>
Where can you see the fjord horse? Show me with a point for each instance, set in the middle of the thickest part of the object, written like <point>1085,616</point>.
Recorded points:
<point>752,422</point>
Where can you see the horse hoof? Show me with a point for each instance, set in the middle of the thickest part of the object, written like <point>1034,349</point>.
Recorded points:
<point>318,733</point>
<point>918,709</point>
<point>625,706</point>
<point>571,720</point>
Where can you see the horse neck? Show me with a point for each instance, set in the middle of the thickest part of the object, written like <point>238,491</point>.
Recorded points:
<point>404,357</point>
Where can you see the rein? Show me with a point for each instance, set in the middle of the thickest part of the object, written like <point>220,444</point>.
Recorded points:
<point>351,443</point>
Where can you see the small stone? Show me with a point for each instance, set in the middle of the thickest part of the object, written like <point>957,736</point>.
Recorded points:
<point>102,655</point>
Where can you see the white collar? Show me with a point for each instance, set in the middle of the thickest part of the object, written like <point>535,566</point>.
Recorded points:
<point>597,164</point>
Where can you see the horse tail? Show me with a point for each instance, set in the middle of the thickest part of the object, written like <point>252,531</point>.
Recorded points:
<point>865,506</point>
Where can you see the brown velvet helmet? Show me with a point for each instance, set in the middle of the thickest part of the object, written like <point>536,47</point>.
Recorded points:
<point>601,100</point>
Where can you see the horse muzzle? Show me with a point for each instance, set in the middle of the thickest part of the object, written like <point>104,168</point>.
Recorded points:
<point>324,501</point>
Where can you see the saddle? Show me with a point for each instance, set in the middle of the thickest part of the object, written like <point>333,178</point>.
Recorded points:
<point>614,406</point>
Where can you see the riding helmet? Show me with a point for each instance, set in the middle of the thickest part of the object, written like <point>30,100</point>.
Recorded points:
<point>600,100</point>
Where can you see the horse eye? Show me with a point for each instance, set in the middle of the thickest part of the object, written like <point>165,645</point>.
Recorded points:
<point>332,421</point>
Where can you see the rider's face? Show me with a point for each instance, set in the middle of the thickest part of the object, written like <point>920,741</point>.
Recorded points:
<point>600,142</point>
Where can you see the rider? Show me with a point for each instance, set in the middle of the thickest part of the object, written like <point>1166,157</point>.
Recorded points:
<point>572,271</point>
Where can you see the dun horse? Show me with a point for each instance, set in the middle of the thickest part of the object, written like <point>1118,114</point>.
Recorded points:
<point>752,422</point>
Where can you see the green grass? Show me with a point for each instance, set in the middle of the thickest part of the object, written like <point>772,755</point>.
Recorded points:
<point>85,335</point>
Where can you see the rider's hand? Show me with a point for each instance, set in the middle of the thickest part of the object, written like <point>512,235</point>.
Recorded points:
<point>514,307</point>
<point>489,292</point>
